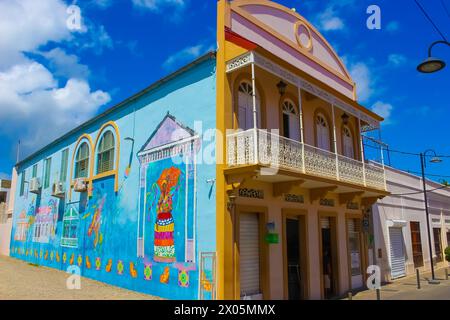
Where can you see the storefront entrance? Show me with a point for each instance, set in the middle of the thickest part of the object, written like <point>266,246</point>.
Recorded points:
<point>295,251</point>
<point>329,266</point>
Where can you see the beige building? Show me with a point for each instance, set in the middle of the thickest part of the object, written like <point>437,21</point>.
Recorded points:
<point>7,188</point>
<point>400,226</point>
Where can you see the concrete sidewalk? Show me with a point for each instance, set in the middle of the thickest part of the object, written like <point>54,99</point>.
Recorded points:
<point>406,289</point>
<point>22,281</point>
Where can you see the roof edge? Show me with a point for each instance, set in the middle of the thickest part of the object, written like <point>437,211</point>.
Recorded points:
<point>209,55</point>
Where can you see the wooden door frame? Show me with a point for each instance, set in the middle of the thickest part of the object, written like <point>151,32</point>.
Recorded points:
<point>329,214</point>
<point>362,248</point>
<point>303,214</point>
<point>263,249</point>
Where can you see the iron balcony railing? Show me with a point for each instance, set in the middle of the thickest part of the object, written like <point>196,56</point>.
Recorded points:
<point>257,146</point>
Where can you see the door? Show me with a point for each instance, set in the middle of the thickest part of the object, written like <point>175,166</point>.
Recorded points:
<point>291,121</point>
<point>295,256</point>
<point>322,133</point>
<point>397,253</point>
<point>416,243</point>
<point>249,256</point>
<point>329,266</point>
<point>347,139</point>
<point>245,106</point>
<point>437,244</point>
<point>354,247</point>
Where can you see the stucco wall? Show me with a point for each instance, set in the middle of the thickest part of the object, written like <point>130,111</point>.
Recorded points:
<point>106,246</point>
<point>409,207</point>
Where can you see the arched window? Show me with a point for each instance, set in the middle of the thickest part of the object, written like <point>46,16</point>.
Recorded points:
<point>82,161</point>
<point>105,153</point>
<point>291,121</point>
<point>347,141</point>
<point>245,106</point>
<point>322,133</point>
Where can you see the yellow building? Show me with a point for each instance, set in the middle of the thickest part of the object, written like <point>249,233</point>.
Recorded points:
<point>292,186</point>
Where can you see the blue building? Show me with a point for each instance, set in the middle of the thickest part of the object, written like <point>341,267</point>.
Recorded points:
<point>119,195</point>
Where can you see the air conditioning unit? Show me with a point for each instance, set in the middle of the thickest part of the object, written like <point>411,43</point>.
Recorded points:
<point>59,189</point>
<point>80,185</point>
<point>35,185</point>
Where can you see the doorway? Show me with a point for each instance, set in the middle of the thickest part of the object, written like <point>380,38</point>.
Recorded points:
<point>250,256</point>
<point>329,265</point>
<point>296,255</point>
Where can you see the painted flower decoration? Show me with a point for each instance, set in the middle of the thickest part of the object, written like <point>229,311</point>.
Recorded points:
<point>183,279</point>
<point>98,263</point>
<point>51,255</point>
<point>80,260</point>
<point>148,272</point>
<point>64,257</point>
<point>120,267</point>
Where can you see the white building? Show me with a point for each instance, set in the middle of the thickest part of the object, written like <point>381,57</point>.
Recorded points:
<point>400,228</point>
<point>6,210</point>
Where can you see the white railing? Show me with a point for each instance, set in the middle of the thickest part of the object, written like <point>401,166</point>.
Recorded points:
<point>275,151</point>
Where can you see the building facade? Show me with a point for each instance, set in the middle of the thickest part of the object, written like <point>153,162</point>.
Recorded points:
<point>400,226</point>
<point>268,206</point>
<point>6,200</point>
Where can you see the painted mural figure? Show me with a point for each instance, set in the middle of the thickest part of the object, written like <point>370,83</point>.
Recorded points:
<point>164,246</point>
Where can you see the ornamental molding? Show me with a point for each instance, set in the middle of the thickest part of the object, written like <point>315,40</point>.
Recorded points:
<point>253,57</point>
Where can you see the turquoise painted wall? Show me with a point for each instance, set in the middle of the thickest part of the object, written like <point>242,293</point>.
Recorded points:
<point>169,203</point>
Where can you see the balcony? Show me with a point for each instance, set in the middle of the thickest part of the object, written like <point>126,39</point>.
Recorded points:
<point>269,150</point>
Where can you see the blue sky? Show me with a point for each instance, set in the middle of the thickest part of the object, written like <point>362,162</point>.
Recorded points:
<point>52,78</point>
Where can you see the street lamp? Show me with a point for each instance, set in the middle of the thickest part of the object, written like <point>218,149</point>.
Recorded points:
<point>434,159</point>
<point>432,64</point>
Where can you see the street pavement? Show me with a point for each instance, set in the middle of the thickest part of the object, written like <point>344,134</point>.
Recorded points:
<point>22,281</point>
<point>406,289</point>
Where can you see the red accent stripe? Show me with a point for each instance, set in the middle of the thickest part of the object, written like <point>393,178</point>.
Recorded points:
<point>239,40</point>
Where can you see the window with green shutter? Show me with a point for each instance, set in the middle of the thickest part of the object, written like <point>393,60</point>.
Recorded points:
<point>82,161</point>
<point>105,154</point>
<point>22,183</point>
<point>64,161</point>
<point>34,174</point>
<point>48,165</point>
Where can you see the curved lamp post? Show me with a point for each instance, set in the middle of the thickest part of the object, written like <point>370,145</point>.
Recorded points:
<point>432,64</point>
<point>434,159</point>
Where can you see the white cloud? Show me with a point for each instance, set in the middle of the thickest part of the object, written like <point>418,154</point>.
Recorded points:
<point>186,55</point>
<point>39,109</point>
<point>156,5</point>
<point>364,80</point>
<point>384,110</point>
<point>34,106</point>
<point>397,59</point>
<point>27,24</point>
<point>328,21</point>
<point>65,65</point>
<point>5,176</point>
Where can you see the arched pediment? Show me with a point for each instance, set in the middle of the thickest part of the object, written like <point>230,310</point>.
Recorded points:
<point>288,35</point>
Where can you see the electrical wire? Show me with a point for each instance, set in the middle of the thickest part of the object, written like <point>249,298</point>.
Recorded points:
<point>417,192</point>
<point>429,19</point>
<point>445,8</point>
<point>404,152</point>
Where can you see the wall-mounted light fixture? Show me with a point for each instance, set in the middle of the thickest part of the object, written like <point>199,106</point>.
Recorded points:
<point>282,87</point>
<point>345,118</point>
<point>231,200</point>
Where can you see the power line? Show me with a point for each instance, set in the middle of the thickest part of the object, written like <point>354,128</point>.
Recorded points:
<point>404,152</point>
<point>445,8</point>
<point>417,192</point>
<point>429,19</point>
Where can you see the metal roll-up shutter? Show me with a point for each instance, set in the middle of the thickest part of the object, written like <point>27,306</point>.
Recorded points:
<point>325,223</point>
<point>249,254</point>
<point>397,254</point>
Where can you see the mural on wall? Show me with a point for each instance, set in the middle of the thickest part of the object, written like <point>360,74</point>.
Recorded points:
<point>168,194</point>
<point>146,243</point>
<point>165,190</point>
